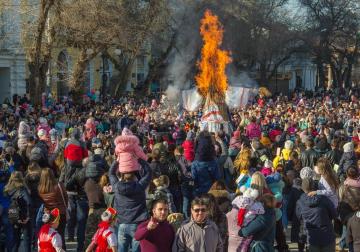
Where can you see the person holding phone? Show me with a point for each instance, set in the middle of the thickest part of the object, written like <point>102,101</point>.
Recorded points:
<point>156,234</point>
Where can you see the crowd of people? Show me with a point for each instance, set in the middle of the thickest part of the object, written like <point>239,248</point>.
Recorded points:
<point>139,175</point>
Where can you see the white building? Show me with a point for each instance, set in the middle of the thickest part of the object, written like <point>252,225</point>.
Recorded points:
<point>12,57</point>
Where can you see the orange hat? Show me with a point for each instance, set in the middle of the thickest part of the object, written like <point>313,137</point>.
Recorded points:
<point>109,214</point>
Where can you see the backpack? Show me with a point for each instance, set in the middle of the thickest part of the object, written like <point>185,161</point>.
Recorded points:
<point>14,209</point>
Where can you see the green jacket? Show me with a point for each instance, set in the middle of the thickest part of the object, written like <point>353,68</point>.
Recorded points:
<point>262,228</point>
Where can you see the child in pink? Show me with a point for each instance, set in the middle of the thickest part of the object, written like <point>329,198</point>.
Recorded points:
<point>128,151</point>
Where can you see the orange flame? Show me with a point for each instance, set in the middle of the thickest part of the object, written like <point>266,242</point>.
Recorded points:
<point>211,79</point>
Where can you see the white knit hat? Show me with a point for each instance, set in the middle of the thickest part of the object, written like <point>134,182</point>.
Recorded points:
<point>306,172</point>
<point>349,147</point>
<point>289,145</point>
<point>268,164</point>
<point>41,133</point>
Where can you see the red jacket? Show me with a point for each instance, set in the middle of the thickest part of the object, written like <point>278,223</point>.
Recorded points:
<point>189,150</point>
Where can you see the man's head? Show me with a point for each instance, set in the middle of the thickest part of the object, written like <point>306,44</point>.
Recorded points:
<point>160,210</point>
<point>199,210</point>
<point>307,185</point>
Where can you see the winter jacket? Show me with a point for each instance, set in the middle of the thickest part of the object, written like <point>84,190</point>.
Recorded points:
<point>309,158</point>
<point>191,237</point>
<point>74,179</point>
<point>54,199</point>
<point>349,201</point>
<point>40,153</point>
<point>94,194</point>
<point>334,156</point>
<point>128,151</point>
<point>223,199</point>
<point>325,189</point>
<point>233,229</point>
<point>204,175</point>
<point>353,231</point>
<point>204,149</point>
<point>317,212</point>
<point>294,195</point>
<point>32,183</point>
<point>253,130</point>
<point>189,151</point>
<point>96,166</point>
<point>347,160</point>
<point>130,199</point>
<point>24,201</point>
<point>262,228</point>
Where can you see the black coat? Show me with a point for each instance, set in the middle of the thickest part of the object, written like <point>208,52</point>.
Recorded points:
<point>348,159</point>
<point>334,156</point>
<point>309,158</point>
<point>317,213</point>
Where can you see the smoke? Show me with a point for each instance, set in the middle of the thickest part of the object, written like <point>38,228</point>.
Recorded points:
<point>173,93</point>
<point>181,63</point>
<point>240,79</point>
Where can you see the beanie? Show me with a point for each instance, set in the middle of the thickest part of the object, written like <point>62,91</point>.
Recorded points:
<point>348,147</point>
<point>306,172</point>
<point>289,145</point>
<point>41,133</point>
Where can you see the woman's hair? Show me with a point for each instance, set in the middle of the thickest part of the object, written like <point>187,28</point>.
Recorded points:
<point>352,172</point>
<point>326,171</point>
<point>218,185</point>
<point>258,182</point>
<point>104,180</point>
<point>16,181</point>
<point>47,181</point>
<point>33,167</point>
<point>214,211</point>
<point>268,200</point>
<point>163,180</point>
<point>127,176</point>
<point>179,150</point>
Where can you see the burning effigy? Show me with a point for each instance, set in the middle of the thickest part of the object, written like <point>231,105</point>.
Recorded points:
<point>211,80</point>
<point>213,92</point>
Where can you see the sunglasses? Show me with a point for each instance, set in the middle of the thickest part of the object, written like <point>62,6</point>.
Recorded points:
<point>197,210</point>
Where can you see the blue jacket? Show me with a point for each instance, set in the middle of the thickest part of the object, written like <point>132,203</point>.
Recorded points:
<point>262,228</point>
<point>317,213</point>
<point>204,175</point>
<point>130,199</point>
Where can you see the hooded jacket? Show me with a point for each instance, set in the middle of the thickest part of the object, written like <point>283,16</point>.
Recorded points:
<point>317,213</point>
<point>130,198</point>
<point>128,151</point>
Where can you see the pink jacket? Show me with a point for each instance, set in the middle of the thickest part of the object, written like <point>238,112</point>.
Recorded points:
<point>253,131</point>
<point>352,182</point>
<point>233,228</point>
<point>43,126</point>
<point>128,152</point>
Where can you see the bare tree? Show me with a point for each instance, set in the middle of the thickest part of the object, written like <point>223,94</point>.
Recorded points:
<point>85,25</point>
<point>38,38</point>
<point>333,36</point>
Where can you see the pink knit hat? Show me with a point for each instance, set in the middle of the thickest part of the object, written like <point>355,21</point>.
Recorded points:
<point>266,171</point>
